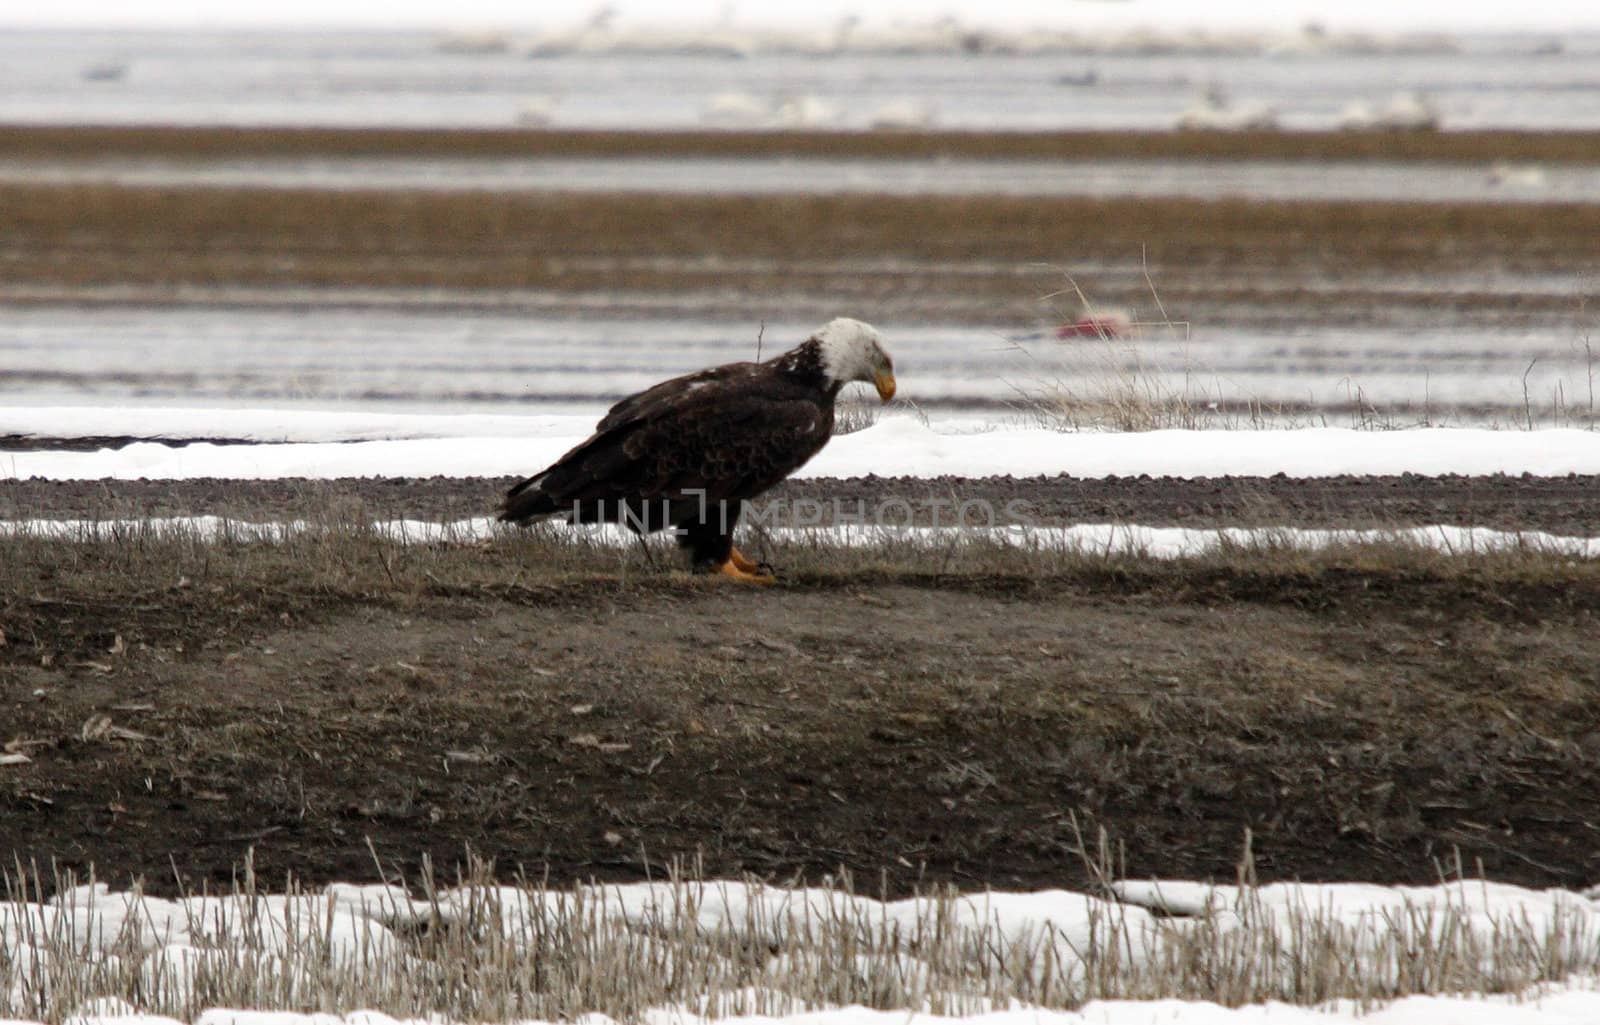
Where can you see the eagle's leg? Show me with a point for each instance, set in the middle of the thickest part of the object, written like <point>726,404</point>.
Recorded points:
<point>709,540</point>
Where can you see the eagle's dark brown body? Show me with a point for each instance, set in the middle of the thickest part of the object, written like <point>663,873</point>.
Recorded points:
<point>688,451</point>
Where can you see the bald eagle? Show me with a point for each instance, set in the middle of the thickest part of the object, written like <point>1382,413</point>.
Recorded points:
<point>686,453</point>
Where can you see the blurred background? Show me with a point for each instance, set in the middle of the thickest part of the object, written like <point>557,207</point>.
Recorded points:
<point>1350,214</point>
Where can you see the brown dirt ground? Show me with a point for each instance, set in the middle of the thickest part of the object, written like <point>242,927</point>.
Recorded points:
<point>1559,505</point>
<point>969,259</point>
<point>1363,719</point>
<point>177,142</point>
<point>972,259</point>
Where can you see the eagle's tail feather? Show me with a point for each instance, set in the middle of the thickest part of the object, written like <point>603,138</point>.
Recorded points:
<point>576,481</point>
<point>528,501</point>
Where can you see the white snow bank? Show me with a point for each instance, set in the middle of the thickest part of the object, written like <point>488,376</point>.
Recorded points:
<point>1089,538</point>
<point>489,26</point>
<point>1313,452</point>
<point>1370,917</point>
<point>275,425</point>
<point>358,445</point>
<point>1554,1007</point>
<point>354,926</point>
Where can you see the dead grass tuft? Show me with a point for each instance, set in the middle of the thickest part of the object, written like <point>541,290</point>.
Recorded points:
<point>171,577</point>
<point>1115,382</point>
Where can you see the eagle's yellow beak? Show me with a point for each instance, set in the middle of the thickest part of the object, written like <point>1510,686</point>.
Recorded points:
<point>884,379</point>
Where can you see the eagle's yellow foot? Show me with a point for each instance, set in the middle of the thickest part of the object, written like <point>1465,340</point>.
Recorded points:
<point>744,576</point>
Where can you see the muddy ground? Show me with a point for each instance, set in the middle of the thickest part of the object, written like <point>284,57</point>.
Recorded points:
<point>1363,720</point>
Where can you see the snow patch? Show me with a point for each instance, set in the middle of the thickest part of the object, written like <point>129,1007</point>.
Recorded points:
<point>352,924</point>
<point>329,445</point>
<point>1106,539</point>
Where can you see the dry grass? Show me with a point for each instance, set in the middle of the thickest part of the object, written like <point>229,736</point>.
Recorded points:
<point>1121,391</point>
<point>855,414</point>
<point>482,952</point>
<point>341,557</point>
<point>1113,382</point>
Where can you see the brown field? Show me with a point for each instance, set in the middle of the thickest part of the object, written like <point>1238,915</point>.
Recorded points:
<point>208,142</point>
<point>978,259</point>
<point>972,259</point>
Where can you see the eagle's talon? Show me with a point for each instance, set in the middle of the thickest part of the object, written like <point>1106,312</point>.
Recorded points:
<point>747,564</point>
<point>731,570</point>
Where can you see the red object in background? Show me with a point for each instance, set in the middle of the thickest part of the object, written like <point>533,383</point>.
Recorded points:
<point>1097,325</point>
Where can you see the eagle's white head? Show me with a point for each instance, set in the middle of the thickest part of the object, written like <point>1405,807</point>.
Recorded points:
<point>853,351</point>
